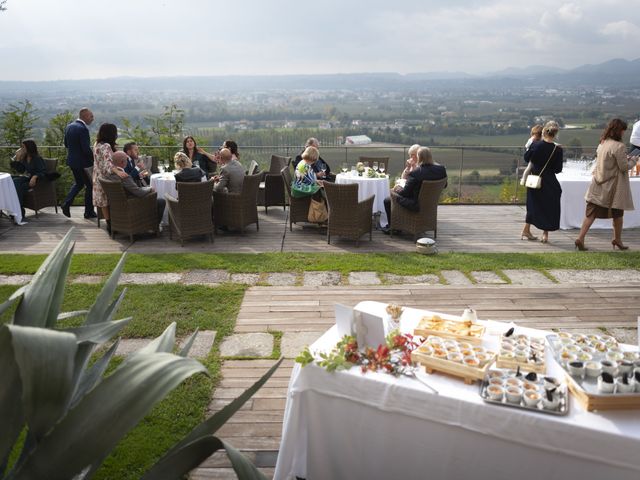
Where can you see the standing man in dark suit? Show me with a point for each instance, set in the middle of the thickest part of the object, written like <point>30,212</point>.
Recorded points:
<point>79,157</point>
<point>408,196</point>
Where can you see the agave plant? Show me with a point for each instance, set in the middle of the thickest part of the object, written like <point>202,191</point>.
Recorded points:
<point>72,415</point>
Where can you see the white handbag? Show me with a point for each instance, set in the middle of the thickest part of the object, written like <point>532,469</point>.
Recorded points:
<point>533,181</point>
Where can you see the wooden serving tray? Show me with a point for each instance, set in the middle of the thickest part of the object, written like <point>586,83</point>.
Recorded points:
<point>434,364</point>
<point>502,362</point>
<point>605,401</point>
<point>449,329</point>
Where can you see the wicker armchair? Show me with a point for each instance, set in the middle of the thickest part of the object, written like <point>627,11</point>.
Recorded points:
<point>298,207</point>
<point>347,216</point>
<point>44,193</point>
<point>426,218</point>
<point>130,215</point>
<point>368,161</point>
<point>191,214</point>
<point>237,210</point>
<point>272,193</point>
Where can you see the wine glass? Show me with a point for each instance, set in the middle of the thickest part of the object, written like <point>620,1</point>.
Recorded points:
<point>375,166</point>
<point>353,171</point>
<point>344,168</point>
<point>161,168</point>
<point>381,167</point>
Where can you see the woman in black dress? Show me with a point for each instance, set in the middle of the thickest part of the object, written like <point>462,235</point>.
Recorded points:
<point>198,157</point>
<point>543,204</point>
<point>31,168</point>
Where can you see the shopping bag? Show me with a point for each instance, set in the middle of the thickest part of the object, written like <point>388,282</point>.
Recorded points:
<point>317,212</point>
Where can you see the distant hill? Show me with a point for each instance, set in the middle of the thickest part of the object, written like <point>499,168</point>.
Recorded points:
<point>616,72</point>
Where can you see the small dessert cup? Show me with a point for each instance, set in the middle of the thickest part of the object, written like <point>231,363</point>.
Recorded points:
<point>454,357</point>
<point>625,366</point>
<point>496,374</point>
<point>604,386</point>
<point>577,369</point>
<point>495,392</point>
<point>551,404</point>
<point>514,395</point>
<point>550,383</point>
<point>531,398</point>
<point>610,367</point>
<point>530,386</point>
<point>593,369</point>
<point>514,382</point>
<point>622,387</point>
<point>471,361</point>
<point>496,381</point>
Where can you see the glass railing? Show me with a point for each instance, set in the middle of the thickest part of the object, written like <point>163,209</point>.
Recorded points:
<point>477,174</point>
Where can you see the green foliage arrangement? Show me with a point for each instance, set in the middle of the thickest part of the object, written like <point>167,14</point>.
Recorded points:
<point>16,122</point>
<point>59,410</point>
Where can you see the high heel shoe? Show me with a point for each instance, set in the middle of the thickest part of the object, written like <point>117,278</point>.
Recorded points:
<point>580,245</point>
<point>615,243</point>
<point>527,236</point>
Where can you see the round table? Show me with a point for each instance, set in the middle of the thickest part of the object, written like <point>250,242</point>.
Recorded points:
<point>164,183</point>
<point>9,197</point>
<point>367,187</point>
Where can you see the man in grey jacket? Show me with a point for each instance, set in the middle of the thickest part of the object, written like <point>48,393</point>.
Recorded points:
<point>231,175</point>
<point>119,160</point>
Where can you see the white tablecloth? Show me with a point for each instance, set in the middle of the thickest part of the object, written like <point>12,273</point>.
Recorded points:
<point>9,197</point>
<point>573,204</point>
<point>367,187</point>
<point>164,183</point>
<point>374,426</point>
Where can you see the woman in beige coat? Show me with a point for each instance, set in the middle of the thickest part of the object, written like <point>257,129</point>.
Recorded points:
<point>609,194</point>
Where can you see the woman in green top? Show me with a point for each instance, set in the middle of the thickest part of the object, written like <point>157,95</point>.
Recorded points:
<point>306,183</point>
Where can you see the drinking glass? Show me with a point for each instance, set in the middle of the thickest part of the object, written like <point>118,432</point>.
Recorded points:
<point>344,168</point>
<point>375,166</point>
<point>161,168</point>
<point>381,168</point>
<point>353,171</point>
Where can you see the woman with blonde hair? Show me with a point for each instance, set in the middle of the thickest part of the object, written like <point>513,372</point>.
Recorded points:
<point>412,162</point>
<point>186,171</point>
<point>609,194</point>
<point>543,204</point>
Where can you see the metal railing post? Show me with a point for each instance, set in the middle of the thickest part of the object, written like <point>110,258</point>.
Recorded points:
<point>460,177</point>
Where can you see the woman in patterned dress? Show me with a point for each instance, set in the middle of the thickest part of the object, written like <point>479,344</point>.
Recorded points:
<point>103,166</point>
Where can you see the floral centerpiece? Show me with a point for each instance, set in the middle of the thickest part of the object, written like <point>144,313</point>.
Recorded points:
<point>360,168</point>
<point>393,357</point>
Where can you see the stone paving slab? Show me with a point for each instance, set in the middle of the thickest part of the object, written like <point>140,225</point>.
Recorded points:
<point>625,335</point>
<point>364,278</point>
<point>148,278</point>
<point>201,345</point>
<point>527,277</point>
<point>596,276</point>
<point>130,345</point>
<point>91,279</point>
<point>246,278</point>
<point>293,343</point>
<point>318,279</point>
<point>15,279</point>
<point>281,279</point>
<point>454,277</point>
<point>247,345</point>
<point>204,277</point>
<point>427,278</point>
<point>488,278</point>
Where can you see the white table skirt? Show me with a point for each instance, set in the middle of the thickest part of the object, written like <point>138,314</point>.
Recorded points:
<point>367,187</point>
<point>164,183</point>
<point>573,204</point>
<point>349,425</point>
<point>9,197</point>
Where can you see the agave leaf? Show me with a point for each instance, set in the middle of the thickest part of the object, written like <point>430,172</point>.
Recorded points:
<point>89,378</point>
<point>164,343</point>
<point>77,313</point>
<point>193,454</point>
<point>98,333</point>
<point>105,414</point>
<point>11,411</point>
<point>17,295</point>
<point>45,360</point>
<point>113,308</point>
<point>101,306</point>
<point>43,295</point>
<point>188,344</point>
<point>58,291</point>
<point>210,425</point>
<point>83,354</point>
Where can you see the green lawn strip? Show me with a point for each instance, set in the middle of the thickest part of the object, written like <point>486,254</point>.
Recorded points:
<point>398,263</point>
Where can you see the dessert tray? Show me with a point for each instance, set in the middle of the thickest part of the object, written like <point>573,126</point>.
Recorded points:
<point>521,351</point>
<point>454,357</point>
<point>467,331</point>
<point>527,391</point>
<point>599,372</point>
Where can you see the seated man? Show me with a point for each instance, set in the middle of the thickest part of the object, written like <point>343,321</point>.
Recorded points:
<point>119,160</point>
<point>408,196</point>
<point>135,168</point>
<point>320,167</point>
<point>231,175</point>
<point>187,172</point>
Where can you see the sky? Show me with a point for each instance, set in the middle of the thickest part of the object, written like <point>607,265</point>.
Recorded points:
<point>73,39</point>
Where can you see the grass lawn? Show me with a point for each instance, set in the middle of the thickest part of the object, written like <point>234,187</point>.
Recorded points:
<point>398,263</point>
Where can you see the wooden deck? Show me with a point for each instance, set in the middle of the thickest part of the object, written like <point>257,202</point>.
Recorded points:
<point>256,429</point>
<point>461,228</point>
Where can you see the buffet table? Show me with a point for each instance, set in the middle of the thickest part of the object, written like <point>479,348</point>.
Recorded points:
<point>572,203</point>
<point>9,197</point>
<point>349,425</point>
<point>367,187</point>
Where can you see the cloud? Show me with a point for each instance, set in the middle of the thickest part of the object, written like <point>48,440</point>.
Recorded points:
<point>621,29</point>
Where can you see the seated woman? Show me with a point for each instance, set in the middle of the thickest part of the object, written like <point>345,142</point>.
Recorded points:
<point>31,167</point>
<point>408,196</point>
<point>412,162</point>
<point>322,168</point>
<point>198,156</point>
<point>186,173</point>
<point>306,182</point>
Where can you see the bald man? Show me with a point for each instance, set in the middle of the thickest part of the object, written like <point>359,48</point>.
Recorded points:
<point>231,175</point>
<point>79,157</point>
<point>119,160</point>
